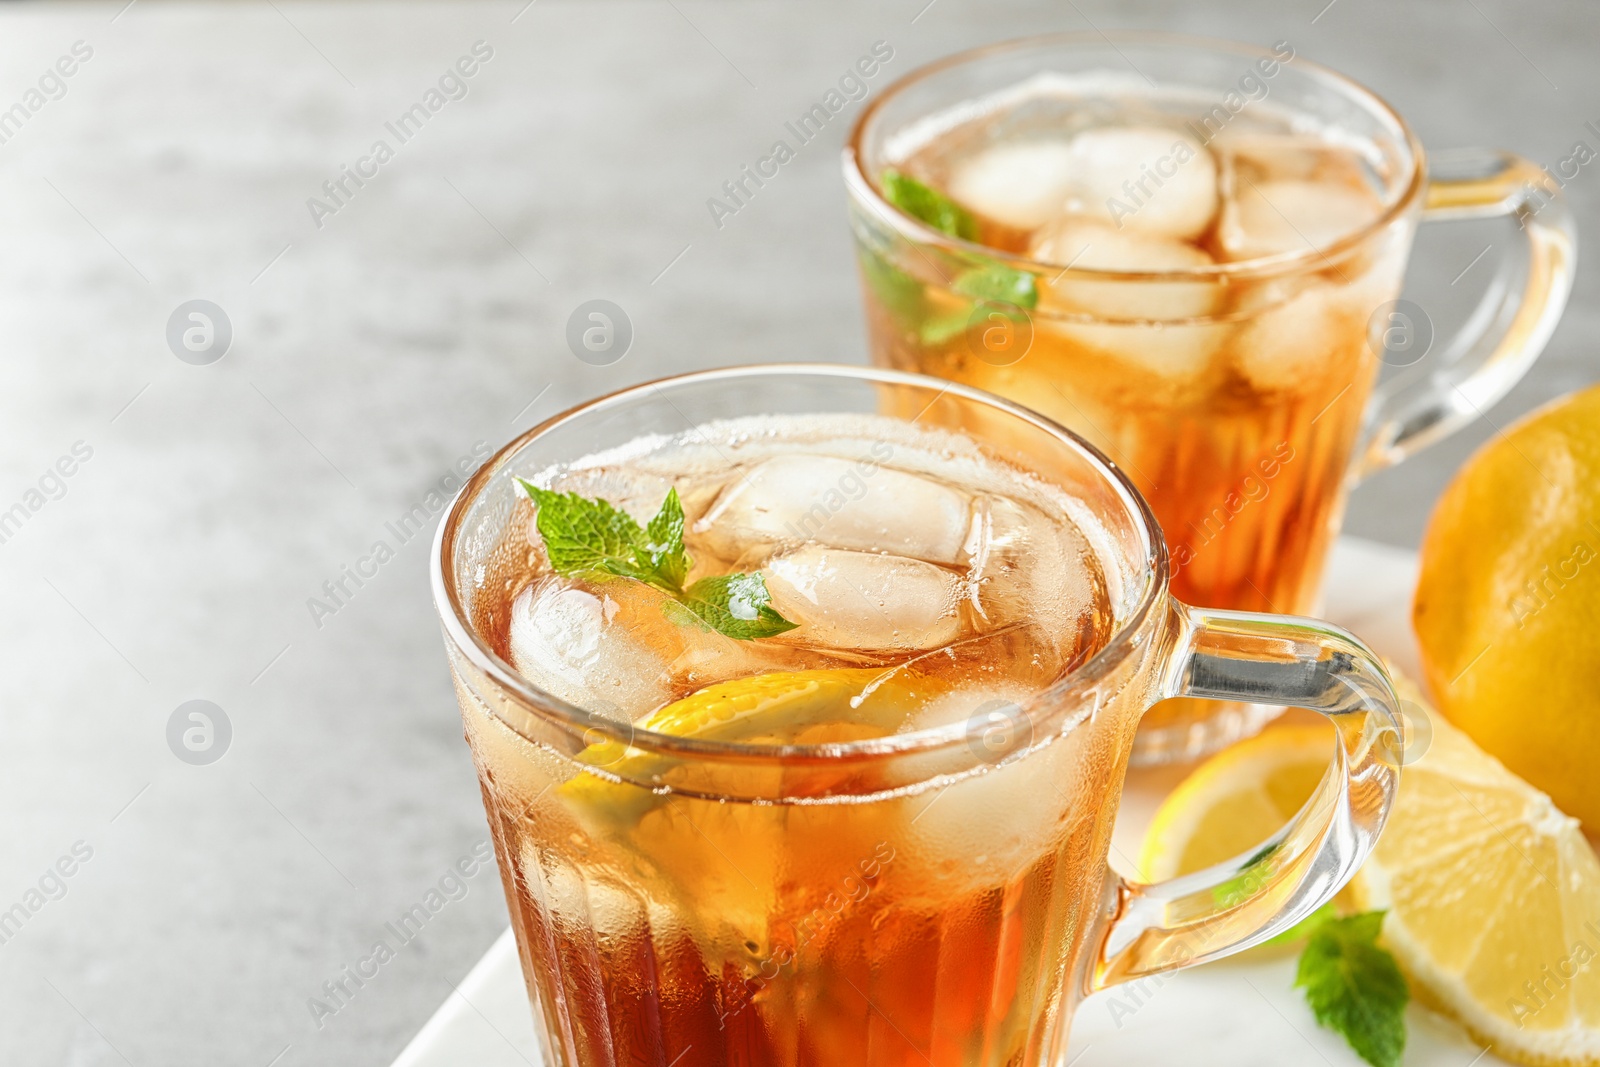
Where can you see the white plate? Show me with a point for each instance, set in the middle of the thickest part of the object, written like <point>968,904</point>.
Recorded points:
<point>1228,1014</point>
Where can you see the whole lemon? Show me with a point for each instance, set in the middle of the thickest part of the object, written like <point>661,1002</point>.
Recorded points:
<point>1507,611</point>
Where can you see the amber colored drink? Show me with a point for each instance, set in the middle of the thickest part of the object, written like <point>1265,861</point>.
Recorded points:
<point>1191,288</point>
<point>1233,405</point>
<point>932,586</point>
<point>778,935</point>
<point>862,817</point>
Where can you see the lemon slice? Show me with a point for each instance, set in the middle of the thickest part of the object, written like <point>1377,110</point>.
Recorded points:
<point>778,706</point>
<point>1492,894</point>
<point>1235,800</point>
<point>1493,898</point>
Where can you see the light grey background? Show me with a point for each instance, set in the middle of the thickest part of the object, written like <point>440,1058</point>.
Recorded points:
<point>369,355</point>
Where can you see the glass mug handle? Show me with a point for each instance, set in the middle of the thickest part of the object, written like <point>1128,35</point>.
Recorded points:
<point>1289,661</point>
<point>1506,333</point>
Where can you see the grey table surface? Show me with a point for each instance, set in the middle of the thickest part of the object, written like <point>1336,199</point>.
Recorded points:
<point>209,904</point>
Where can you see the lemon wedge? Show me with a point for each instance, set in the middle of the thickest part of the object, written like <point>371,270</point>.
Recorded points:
<point>1493,901</point>
<point>776,707</point>
<point>1492,894</point>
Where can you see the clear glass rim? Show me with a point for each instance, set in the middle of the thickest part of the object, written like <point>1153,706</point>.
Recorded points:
<point>460,632</point>
<point>861,188</point>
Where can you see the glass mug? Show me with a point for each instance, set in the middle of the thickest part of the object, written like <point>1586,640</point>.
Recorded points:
<point>799,904</point>
<point>1237,394</point>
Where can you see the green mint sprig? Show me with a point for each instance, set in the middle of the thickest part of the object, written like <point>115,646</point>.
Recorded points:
<point>927,204</point>
<point>999,285</point>
<point>589,536</point>
<point>989,283</point>
<point>1354,986</point>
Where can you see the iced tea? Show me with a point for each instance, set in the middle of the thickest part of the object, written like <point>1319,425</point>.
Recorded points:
<point>1187,287</point>
<point>929,585</point>
<point>801,734</point>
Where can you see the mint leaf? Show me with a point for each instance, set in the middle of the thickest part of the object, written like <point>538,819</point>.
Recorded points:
<point>928,205</point>
<point>735,605</point>
<point>581,534</point>
<point>943,328</point>
<point>589,536</point>
<point>1354,986</point>
<point>663,552</point>
<point>998,284</point>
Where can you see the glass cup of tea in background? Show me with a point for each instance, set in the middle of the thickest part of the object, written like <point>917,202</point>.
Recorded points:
<point>1189,253</point>
<point>806,746</point>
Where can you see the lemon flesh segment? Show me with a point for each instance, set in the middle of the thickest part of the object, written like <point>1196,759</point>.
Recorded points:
<point>1493,900</point>
<point>1492,893</point>
<point>775,707</point>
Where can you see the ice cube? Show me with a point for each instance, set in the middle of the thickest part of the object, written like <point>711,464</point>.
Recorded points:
<point>1085,245</point>
<point>1275,217</point>
<point>611,647</point>
<point>1149,332</point>
<point>1006,814</point>
<point>574,644</point>
<point>1036,590</point>
<point>1021,183</point>
<point>865,600</point>
<point>858,505</point>
<point>1300,341</point>
<point>1145,179</point>
<point>1174,352</point>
